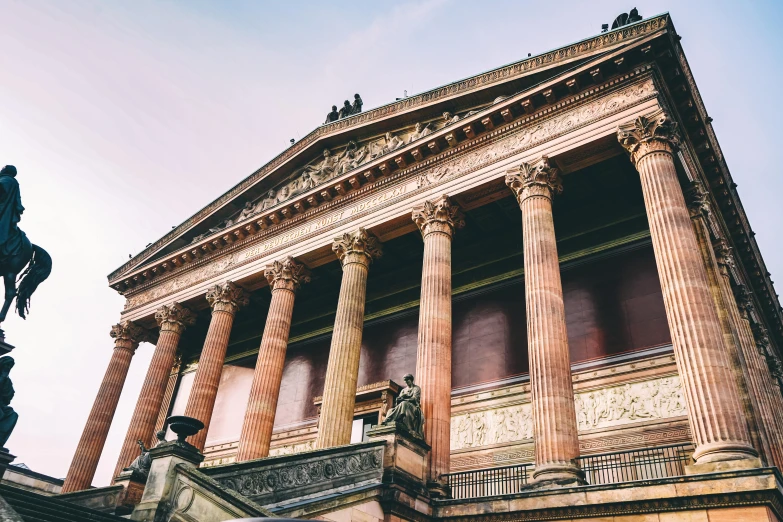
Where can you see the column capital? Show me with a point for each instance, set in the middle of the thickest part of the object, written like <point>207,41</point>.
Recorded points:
<point>698,200</point>
<point>227,297</point>
<point>649,133</point>
<point>723,256</point>
<point>744,301</point>
<point>359,246</point>
<point>540,179</point>
<point>127,334</point>
<point>174,317</point>
<point>286,274</point>
<point>438,215</point>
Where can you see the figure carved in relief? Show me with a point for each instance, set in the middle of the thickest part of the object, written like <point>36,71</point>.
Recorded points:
<point>269,201</point>
<point>324,170</point>
<point>501,426</point>
<point>450,118</point>
<point>248,210</point>
<point>419,132</point>
<point>407,412</point>
<point>392,143</point>
<point>465,432</point>
<point>352,157</point>
<point>479,429</point>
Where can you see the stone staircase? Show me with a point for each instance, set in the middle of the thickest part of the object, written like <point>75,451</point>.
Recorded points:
<point>33,507</point>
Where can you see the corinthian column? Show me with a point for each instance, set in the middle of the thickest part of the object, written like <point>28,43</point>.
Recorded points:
<point>127,336</point>
<point>284,279</point>
<point>355,251</point>
<point>714,407</point>
<point>173,319</point>
<point>225,300</point>
<point>554,414</point>
<point>437,220</point>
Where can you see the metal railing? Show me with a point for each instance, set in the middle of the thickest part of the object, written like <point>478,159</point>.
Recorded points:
<point>605,468</point>
<point>642,464</point>
<point>488,482</point>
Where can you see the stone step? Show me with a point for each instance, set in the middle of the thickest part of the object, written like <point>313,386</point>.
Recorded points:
<point>33,507</point>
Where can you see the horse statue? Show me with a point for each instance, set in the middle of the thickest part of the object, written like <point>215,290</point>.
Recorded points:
<point>17,254</point>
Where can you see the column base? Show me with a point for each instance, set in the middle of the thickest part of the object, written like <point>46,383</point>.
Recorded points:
<point>723,451</point>
<point>558,475</point>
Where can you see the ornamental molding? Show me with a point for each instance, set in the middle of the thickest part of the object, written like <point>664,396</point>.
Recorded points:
<point>438,215</point>
<point>503,74</point>
<point>596,409</point>
<point>286,274</point>
<point>464,159</point>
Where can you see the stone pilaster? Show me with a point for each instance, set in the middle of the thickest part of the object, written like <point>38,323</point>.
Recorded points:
<point>127,336</point>
<point>284,279</point>
<point>554,413</point>
<point>225,299</point>
<point>714,407</point>
<point>355,251</point>
<point>437,221</point>
<point>172,319</point>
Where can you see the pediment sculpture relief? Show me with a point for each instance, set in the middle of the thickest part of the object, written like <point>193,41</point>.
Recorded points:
<point>332,164</point>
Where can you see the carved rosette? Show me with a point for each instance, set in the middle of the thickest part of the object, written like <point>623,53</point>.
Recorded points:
<point>698,201</point>
<point>539,179</point>
<point>439,215</point>
<point>174,318</point>
<point>654,132</point>
<point>128,334</point>
<point>227,297</point>
<point>286,274</point>
<point>357,247</point>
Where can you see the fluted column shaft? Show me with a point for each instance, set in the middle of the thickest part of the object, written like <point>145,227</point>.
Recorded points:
<point>225,300</point>
<point>715,411</point>
<point>168,395</point>
<point>554,413</point>
<point>284,278</point>
<point>127,336</point>
<point>437,221</point>
<point>172,320</point>
<point>355,251</point>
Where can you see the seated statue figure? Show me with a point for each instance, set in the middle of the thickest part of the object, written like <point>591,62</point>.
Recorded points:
<point>143,462</point>
<point>407,412</point>
<point>8,416</point>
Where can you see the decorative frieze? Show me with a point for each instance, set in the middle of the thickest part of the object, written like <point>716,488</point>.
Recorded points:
<point>614,406</point>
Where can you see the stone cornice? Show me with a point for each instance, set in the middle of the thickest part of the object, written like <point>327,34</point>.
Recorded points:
<point>581,49</point>
<point>530,130</point>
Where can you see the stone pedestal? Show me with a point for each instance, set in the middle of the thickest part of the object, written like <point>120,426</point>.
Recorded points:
<point>405,458</point>
<point>225,300</point>
<point>437,221</point>
<point>173,319</point>
<point>5,459</point>
<point>714,409</point>
<point>554,413</point>
<point>127,336</point>
<point>284,278</point>
<point>355,251</point>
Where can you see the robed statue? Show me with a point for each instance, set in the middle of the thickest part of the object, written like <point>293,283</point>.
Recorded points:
<point>143,462</point>
<point>8,416</point>
<point>407,412</point>
<point>17,254</point>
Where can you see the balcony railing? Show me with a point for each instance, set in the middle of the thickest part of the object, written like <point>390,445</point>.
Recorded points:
<point>605,468</point>
<point>642,464</point>
<point>488,482</point>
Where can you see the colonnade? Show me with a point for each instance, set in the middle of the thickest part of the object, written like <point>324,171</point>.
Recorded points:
<point>715,410</point>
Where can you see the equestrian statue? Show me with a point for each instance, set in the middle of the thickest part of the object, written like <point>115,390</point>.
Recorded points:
<point>17,254</point>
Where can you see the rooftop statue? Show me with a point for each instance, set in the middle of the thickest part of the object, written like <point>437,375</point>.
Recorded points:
<point>357,104</point>
<point>407,412</point>
<point>8,416</point>
<point>626,19</point>
<point>332,116</point>
<point>16,251</point>
<point>346,111</point>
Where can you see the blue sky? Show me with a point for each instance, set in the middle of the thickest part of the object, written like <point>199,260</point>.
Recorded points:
<point>124,118</point>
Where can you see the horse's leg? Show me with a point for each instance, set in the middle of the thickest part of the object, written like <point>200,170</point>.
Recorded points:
<point>10,293</point>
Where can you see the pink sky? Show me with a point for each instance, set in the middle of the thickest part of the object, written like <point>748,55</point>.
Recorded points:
<point>125,118</point>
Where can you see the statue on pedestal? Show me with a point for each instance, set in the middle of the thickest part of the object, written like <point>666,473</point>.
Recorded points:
<point>16,251</point>
<point>143,462</point>
<point>8,416</point>
<point>407,412</point>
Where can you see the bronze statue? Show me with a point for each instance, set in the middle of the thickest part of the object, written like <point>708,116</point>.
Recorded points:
<point>407,412</point>
<point>143,462</point>
<point>346,110</point>
<point>16,251</point>
<point>626,19</point>
<point>332,116</point>
<point>357,104</point>
<point>8,416</point>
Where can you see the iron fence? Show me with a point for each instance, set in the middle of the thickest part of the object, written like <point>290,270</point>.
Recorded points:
<point>642,464</point>
<point>605,468</point>
<point>488,482</point>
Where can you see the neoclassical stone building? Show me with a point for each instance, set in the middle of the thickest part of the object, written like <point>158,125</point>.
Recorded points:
<point>555,249</point>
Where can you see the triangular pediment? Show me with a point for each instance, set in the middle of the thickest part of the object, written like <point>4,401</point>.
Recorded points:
<point>341,148</point>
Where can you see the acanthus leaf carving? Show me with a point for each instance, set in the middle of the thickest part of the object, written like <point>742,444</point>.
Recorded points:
<point>286,274</point>
<point>540,178</point>
<point>227,297</point>
<point>359,246</point>
<point>174,317</point>
<point>655,131</point>
<point>129,334</point>
<point>438,215</point>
